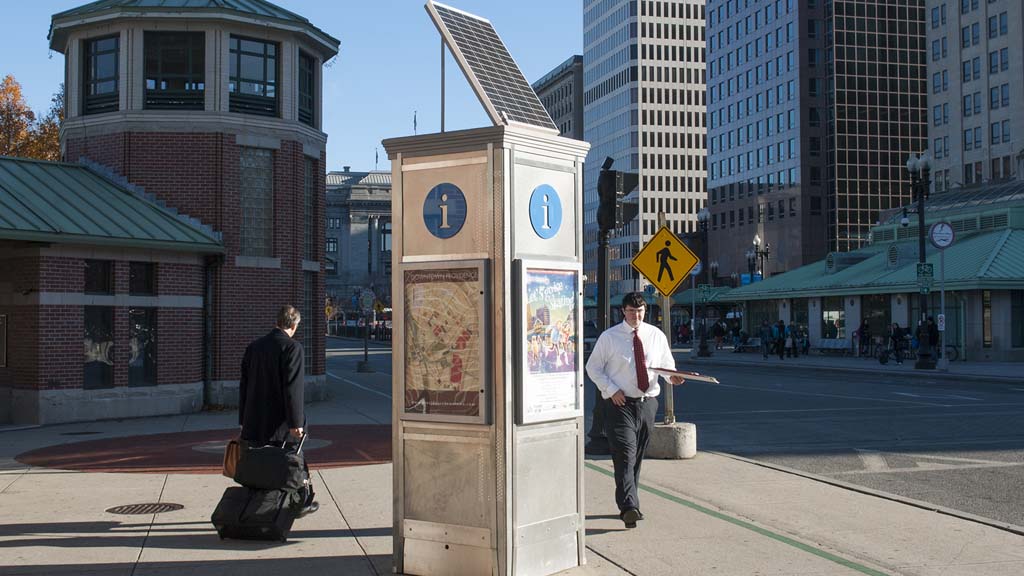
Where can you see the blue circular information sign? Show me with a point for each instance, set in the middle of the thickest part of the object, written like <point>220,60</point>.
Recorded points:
<point>444,210</point>
<point>545,211</point>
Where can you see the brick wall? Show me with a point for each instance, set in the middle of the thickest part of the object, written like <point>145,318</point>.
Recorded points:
<point>198,174</point>
<point>22,323</point>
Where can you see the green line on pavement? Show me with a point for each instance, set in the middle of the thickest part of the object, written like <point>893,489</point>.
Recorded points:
<point>736,521</point>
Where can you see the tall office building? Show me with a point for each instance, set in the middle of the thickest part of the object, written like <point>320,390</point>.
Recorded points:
<point>644,107</point>
<point>976,66</point>
<point>814,108</point>
<point>561,93</point>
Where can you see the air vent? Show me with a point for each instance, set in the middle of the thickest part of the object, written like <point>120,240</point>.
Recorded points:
<point>830,263</point>
<point>885,235</point>
<point>893,255</point>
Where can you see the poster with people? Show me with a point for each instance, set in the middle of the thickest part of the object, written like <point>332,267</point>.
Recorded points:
<point>550,344</point>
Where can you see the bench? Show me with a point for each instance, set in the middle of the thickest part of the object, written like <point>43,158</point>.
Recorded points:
<point>831,345</point>
<point>751,344</point>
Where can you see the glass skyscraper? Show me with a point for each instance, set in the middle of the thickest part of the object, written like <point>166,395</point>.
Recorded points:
<point>814,107</point>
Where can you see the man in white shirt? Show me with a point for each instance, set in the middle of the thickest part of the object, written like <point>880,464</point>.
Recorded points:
<point>620,365</point>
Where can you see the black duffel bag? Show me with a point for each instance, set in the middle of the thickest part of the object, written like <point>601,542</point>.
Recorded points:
<point>272,467</point>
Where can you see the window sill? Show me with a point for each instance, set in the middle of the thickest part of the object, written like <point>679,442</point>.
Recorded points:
<point>257,262</point>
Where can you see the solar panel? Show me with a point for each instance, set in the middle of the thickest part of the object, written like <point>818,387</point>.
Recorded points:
<point>490,69</point>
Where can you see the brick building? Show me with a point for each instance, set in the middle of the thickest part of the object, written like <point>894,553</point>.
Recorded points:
<point>215,109</point>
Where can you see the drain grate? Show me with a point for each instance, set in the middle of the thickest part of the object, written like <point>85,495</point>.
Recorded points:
<point>151,508</point>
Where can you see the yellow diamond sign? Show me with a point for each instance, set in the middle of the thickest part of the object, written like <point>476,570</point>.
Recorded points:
<point>665,261</point>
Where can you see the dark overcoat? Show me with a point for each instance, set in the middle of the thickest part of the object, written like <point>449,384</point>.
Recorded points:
<point>270,393</point>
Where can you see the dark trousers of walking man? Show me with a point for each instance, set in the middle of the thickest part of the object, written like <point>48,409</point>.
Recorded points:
<point>629,432</point>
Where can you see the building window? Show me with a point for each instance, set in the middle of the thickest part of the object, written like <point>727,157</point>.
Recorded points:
<point>3,340</point>
<point>256,179</point>
<point>175,70</point>
<point>100,75</point>
<point>308,194</point>
<point>1017,318</point>
<point>142,344</point>
<point>253,77</point>
<point>986,318</point>
<point>99,277</point>
<point>833,317</point>
<point>332,245</point>
<point>99,347</point>
<point>307,88</point>
<point>141,278</point>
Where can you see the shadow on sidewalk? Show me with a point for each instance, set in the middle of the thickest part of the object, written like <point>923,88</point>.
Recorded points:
<point>349,565</point>
<point>166,535</point>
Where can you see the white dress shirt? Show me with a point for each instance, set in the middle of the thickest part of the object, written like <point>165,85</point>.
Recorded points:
<point>611,365</point>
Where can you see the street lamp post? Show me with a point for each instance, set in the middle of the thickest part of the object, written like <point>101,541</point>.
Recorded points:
<point>371,225</point>
<point>751,262</point>
<point>714,271</point>
<point>920,180</point>
<point>703,215</point>
<point>762,255</point>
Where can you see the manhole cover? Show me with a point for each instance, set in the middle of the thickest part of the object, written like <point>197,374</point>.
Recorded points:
<point>83,433</point>
<point>156,508</point>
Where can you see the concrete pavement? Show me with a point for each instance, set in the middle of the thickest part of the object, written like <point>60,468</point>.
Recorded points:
<point>710,515</point>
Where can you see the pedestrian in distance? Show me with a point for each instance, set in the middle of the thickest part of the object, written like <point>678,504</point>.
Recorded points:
<point>780,338</point>
<point>765,334</point>
<point>270,394</point>
<point>620,365</point>
<point>897,338</point>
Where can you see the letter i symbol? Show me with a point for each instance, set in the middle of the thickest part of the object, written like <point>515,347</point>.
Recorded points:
<point>547,209</point>
<point>444,211</point>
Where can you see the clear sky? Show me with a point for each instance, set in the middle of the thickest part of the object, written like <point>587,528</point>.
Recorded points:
<point>387,68</point>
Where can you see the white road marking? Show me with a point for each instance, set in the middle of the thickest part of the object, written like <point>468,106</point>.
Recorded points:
<point>873,461</point>
<point>839,396</point>
<point>938,396</point>
<point>360,386</point>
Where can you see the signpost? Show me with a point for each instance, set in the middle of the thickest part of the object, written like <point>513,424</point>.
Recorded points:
<point>693,302</point>
<point>665,261</point>
<point>942,236</point>
<point>366,300</point>
<point>925,276</point>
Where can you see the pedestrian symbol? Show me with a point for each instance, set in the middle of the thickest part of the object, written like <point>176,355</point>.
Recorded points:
<point>665,261</point>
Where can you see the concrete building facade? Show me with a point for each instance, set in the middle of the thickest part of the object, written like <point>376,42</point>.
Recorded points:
<point>561,93</point>
<point>644,106</point>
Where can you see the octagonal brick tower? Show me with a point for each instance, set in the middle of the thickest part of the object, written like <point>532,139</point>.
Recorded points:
<point>215,108</point>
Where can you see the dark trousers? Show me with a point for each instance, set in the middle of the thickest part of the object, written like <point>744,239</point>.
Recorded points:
<point>629,430</point>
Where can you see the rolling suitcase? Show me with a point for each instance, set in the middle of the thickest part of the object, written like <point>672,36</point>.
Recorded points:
<point>249,514</point>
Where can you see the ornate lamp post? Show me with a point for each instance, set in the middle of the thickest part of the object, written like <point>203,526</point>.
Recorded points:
<point>751,262</point>
<point>735,279</point>
<point>714,271</point>
<point>702,220</point>
<point>920,181</point>
<point>762,254</point>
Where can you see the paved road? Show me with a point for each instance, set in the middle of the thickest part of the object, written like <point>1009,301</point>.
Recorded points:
<point>956,445</point>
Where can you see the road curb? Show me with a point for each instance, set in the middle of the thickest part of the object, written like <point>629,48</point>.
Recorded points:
<point>915,374</point>
<point>1006,527</point>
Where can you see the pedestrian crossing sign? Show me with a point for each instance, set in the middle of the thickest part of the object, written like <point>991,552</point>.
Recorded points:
<point>665,261</point>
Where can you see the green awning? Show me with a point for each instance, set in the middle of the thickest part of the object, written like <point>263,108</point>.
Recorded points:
<point>68,203</point>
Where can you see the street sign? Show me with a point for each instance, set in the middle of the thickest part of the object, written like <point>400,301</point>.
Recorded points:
<point>704,292</point>
<point>941,322</point>
<point>649,290</point>
<point>925,276</point>
<point>942,235</point>
<point>697,268</point>
<point>366,300</point>
<point>665,261</point>
<point>328,311</point>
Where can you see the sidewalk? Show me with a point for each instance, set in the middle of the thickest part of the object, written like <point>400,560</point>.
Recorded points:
<point>711,515</point>
<point>967,370</point>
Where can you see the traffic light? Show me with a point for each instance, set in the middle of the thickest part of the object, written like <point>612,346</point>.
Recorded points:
<point>612,186</point>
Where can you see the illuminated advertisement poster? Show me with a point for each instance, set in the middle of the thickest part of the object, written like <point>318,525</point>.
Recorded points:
<point>444,343</point>
<point>550,370</point>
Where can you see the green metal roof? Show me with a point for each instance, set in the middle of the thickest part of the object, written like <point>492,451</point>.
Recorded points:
<point>254,8</point>
<point>69,203</point>
<point>989,260</point>
<point>717,294</point>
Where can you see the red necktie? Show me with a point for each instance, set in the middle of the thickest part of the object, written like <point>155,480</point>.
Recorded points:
<point>641,363</point>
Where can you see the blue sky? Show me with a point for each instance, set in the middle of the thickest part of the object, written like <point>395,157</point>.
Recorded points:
<point>388,66</point>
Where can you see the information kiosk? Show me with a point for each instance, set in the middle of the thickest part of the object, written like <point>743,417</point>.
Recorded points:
<point>487,284</point>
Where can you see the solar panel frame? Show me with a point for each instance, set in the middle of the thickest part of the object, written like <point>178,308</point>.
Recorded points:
<point>492,72</point>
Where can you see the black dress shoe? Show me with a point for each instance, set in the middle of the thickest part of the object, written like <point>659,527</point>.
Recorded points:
<point>629,517</point>
<point>639,515</point>
<point>308,509</point>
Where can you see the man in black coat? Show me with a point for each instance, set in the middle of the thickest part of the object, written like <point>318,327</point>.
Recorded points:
<point>270,392</point>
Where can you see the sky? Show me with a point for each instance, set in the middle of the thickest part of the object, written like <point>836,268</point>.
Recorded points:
<point>388,67</point>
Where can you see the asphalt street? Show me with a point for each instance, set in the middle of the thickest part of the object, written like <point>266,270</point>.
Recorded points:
<point>950,444</point>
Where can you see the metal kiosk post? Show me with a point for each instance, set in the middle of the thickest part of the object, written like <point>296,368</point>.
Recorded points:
<point>487,414</point>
